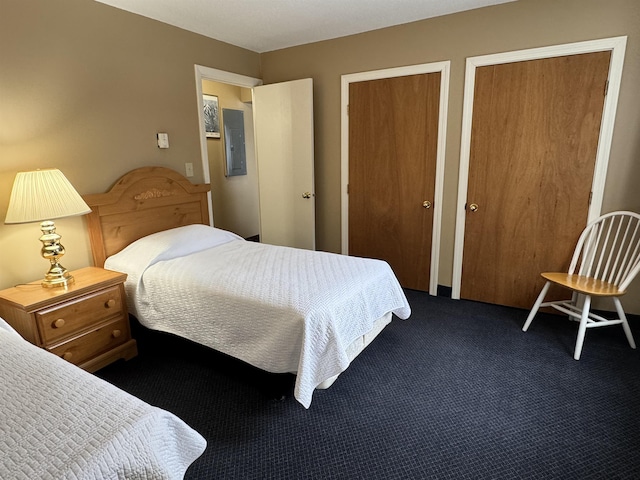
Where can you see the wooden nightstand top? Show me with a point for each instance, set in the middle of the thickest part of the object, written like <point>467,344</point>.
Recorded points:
<point>33,296</point>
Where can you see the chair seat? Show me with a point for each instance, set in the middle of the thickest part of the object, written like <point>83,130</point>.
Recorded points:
<point>585,285</point>
<point>608,249</point>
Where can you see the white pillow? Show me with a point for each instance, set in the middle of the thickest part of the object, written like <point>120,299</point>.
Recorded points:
<point>169,244</point>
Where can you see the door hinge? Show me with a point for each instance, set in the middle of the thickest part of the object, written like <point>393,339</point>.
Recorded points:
<point>347,189</point>
<point>347,110</point>
<point>606,88</point>
<point>590,197</point>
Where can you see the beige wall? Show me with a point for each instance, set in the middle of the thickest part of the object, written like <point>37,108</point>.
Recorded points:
<point>85,87</point>
<point>235,199</point>
<point>512,26</point>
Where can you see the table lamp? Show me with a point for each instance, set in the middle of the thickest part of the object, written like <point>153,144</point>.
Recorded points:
<point>42,196</point>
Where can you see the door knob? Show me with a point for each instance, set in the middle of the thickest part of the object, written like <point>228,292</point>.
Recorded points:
<point>473,207</point>
<point>426,204</point>
<point>306,195</point>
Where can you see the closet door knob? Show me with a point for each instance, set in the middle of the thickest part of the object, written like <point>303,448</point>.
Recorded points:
<point>473,207</point>
<point>426,204</point>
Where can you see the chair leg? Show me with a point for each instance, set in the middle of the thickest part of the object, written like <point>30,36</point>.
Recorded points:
<point>576,300</point>
<point>536,306</point>
<point>582,329</point>
<point>625,324</point>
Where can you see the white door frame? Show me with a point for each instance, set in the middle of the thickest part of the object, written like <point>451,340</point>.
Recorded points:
<point>346,80</point>
<point>215,75</point>
<point>617,46</point>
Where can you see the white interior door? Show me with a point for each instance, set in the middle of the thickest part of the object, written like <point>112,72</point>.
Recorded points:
<point>283,119</point>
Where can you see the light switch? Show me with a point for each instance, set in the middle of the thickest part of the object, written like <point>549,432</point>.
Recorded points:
<point>188,168</point>
<point>163,140</point>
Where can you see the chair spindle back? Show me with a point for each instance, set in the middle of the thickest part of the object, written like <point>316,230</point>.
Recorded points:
<point>609,249</point>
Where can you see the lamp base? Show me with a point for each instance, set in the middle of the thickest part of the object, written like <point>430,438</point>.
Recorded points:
<point>52,250</point>
<point>57,277</point>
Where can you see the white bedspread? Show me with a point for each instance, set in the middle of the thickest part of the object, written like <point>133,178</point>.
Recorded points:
<point>60,422</point>
<point>277,308</point>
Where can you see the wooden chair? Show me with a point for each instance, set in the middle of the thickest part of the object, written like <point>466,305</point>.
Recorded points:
<point>605,261</point>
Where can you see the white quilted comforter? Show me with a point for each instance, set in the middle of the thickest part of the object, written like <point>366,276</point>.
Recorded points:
<point>59,422</point>
<point>280,309</point>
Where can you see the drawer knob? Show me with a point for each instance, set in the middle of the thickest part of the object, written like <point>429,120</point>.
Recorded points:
<point>58,323</point>
<point>116,333</point>
<point>67,355</point>
<point>110,303</point>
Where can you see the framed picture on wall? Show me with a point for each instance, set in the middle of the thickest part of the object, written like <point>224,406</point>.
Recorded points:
<point>211,116</point>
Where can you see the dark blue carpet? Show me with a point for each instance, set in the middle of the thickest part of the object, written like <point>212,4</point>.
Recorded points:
<point>458,391</point>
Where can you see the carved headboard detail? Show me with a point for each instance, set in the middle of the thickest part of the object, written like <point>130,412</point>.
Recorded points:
<point>144,201</point>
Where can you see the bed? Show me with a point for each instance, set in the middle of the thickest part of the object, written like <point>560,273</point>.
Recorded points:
<point>59,422</point>
<point>280,309</point>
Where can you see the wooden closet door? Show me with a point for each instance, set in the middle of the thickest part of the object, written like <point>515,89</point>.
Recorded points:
<point>535,131</point>
<point>393,134</point>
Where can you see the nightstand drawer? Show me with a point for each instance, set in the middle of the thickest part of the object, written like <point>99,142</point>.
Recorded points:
<point>93,343</point>
<point>65,319</point>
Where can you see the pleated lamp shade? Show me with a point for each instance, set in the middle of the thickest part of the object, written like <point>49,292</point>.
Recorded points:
<point>43,195</point>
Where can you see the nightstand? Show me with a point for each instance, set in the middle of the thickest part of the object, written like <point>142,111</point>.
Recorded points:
<point>86,323</point>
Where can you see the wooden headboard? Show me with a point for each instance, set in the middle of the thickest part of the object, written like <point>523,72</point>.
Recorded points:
<point>144,201</point>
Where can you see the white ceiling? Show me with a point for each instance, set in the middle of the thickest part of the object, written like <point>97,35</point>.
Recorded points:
<point>266,25</point>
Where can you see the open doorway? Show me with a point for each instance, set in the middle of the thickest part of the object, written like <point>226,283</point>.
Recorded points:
<point>284,151</point>
<point>234,195</point>
<point>233,200</point>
